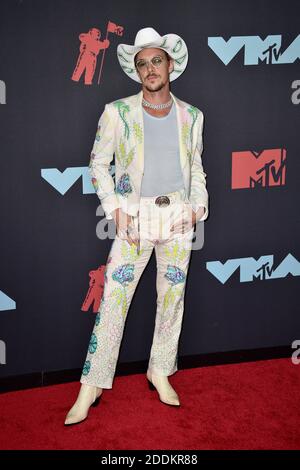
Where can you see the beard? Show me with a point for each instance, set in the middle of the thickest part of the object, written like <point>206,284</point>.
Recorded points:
<point>152,87</point>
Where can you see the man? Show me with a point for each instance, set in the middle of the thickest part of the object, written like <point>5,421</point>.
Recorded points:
<point>158,196</point>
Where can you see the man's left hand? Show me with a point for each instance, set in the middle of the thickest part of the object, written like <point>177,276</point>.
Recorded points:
<point>196,216</point>
<point>187,224</point>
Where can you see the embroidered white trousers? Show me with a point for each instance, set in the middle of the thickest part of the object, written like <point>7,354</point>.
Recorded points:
<point>124,267</point>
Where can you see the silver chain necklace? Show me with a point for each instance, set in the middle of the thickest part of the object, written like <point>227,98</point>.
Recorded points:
<point>157,106</point>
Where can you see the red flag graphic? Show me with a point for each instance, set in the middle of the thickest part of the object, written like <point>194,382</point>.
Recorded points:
<point>113,28</point>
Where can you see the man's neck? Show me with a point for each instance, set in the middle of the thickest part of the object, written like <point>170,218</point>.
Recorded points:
<point>157,97</point>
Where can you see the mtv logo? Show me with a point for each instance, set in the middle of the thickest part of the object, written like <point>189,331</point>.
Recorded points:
<point>251,169</point>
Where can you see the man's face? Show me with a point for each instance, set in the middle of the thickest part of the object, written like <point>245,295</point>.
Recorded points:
<point>153,77</point>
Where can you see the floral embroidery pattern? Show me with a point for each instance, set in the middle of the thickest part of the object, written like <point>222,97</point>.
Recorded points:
<point>97,320</point>
<point>138,132</point>
<point>123,186</point>
<point>124,158</point>
<point>185,136</point>
<point>187,131</point>
<point>95,183</point>
<point>194,113</point>
<point>124,274</point>
<point>119,301</point>
<point>175,274</point>
<point>129,252</point>
<point>86,367</point>
<point>123,109</point>
<point>171,296</point>
<point>126,264</point>
<point>123,270</point>
<point>93,343</point>
<point>177,253</point>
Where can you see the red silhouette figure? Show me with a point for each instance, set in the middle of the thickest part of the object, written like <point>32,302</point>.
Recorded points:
<point>96,287</point>
<point>89,49</point>
<point>95,292</point>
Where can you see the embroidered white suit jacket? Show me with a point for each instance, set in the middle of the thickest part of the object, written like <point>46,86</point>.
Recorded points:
<point>120,132</point>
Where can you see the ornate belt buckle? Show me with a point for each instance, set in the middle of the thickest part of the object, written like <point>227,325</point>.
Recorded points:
<point>162,201</point>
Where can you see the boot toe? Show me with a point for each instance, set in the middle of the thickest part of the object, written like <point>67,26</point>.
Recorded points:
<point>73,419</point>
<point>166,392</point>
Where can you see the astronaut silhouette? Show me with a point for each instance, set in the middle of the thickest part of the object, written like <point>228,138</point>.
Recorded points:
<point>96,287</point>
<point>89,49</point>
<point>94,294</point>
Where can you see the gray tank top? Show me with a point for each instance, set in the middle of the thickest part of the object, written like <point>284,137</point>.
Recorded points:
<point>162,169</point>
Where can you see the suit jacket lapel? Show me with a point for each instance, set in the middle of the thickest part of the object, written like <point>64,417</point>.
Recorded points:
<point>181,118</point>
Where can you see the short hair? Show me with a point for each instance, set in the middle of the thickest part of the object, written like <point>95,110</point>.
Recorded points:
<point>166,55</point>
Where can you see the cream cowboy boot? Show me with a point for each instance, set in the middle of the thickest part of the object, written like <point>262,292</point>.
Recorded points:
<point>88,396</point>
<point>165,390</point>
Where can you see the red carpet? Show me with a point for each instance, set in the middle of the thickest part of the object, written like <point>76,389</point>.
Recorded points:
<point>252,405</point>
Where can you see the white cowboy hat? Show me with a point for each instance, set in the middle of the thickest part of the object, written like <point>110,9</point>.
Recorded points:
<point>173,44</point>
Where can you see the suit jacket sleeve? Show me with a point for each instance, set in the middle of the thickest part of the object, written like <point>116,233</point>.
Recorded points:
<point>99,166</point>
<point>199,194</point>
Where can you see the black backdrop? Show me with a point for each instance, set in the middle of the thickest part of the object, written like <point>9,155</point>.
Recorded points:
<point>48,121</point>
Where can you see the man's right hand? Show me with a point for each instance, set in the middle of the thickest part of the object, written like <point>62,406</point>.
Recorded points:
<point>123,222</point>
